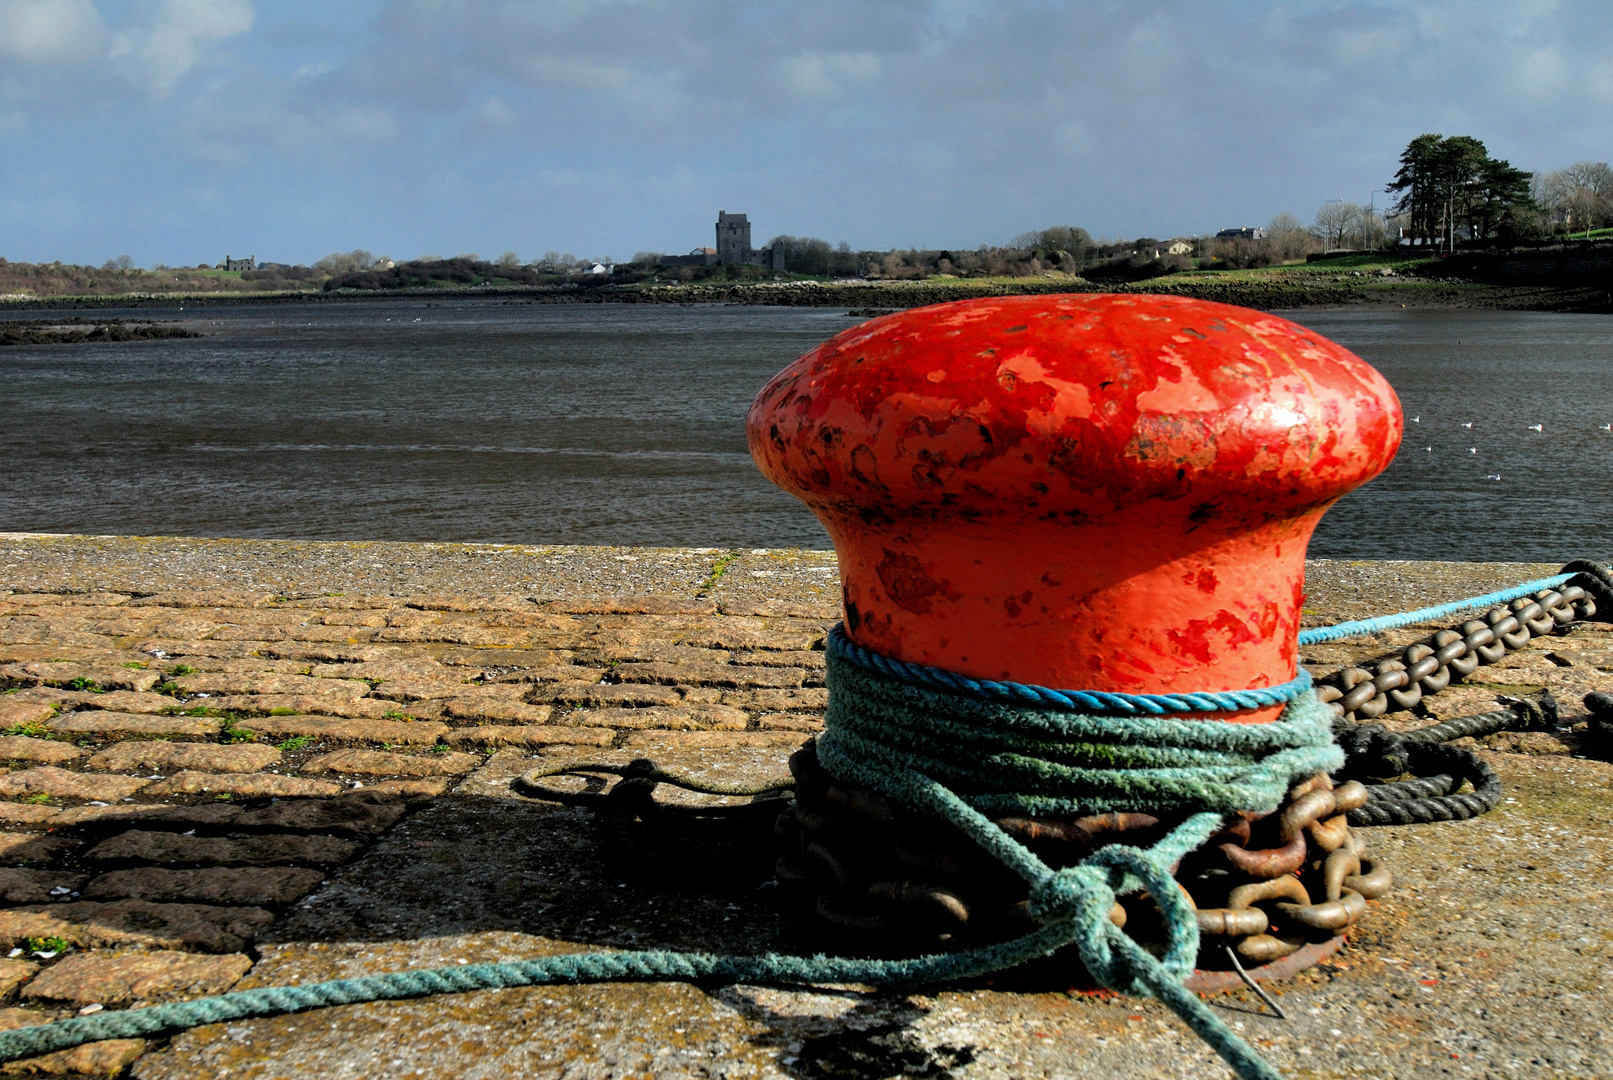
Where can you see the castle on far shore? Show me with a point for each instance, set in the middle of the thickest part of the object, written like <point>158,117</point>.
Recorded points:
<point>733,248</point>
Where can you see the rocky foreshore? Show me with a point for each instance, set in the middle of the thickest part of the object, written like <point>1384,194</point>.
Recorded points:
<point>246,762</point>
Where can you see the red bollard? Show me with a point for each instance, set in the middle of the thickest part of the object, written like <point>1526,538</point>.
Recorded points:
<point>1095,492</point>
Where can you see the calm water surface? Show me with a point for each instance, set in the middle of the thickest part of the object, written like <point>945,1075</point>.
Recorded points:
<point>598,424</point>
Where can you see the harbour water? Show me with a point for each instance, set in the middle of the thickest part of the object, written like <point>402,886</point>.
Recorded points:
<point>624,424</point>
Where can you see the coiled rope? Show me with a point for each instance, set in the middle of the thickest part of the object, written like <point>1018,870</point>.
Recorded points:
<point>1075,700</point>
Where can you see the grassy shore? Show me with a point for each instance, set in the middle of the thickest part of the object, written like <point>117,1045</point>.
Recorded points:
<point>1390,280</point>
<point>1386,280</point>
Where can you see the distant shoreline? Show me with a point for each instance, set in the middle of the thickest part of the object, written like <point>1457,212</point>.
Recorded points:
<point>1264,293</point>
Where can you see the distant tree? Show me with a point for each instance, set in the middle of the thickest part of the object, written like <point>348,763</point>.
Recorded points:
<point>1059,244</point>
<point>1446,183</point>
<point>1238,253</point>
<point>338,263</point>
<point>1287,238</point>
<point>844,262</point>
<point>805,254</point>
<point>555,262</point>
<point>1335,220</point>
<point>508,261</point>
<point>647,260</point>
<point>1577,197</point>
<point>120,262</point>
<point>1370,231</point>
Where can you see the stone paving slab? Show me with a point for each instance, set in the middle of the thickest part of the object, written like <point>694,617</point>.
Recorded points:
<point>298,757</point>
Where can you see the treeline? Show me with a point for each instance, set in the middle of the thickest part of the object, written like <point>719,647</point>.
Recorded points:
<point>1062,249</point>
<point>21,279</point>
<point>469,270</point>
<point>1059,251</point>
<point>357,269</point>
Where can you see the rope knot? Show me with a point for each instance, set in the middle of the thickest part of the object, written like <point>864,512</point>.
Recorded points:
<point>1081,894</point>
<point>1084,894</point>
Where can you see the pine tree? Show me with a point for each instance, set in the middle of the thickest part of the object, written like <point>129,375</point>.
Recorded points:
<point>1448,182</point>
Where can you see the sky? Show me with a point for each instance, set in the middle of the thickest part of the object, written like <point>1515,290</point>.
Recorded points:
<point>182,131</point>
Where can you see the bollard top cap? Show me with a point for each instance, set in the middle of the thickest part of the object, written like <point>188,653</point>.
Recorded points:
<point>1075,406</point>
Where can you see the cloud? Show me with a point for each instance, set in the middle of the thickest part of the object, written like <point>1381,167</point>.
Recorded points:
<point>944,121</point>
<point>165,52</point>
<point>494,113</point>
<point>50,32</point>
<point>826,75</point>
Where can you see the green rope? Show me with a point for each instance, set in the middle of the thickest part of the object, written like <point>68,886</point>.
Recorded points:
<point>960,758</point>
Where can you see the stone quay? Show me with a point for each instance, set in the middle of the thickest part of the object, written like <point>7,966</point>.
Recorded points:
<point>239,763</point>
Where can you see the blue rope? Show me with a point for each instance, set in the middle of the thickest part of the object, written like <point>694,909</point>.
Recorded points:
<point>1406,618</point>
<point>960,749</point>
<point>1093,701</point>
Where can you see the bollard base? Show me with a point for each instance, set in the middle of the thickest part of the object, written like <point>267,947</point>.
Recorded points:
<point>1279,888</point>
<point>1205,981</point>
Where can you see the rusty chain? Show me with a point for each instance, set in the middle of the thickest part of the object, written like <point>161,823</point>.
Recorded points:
<point>1355,694</point>
<point>1277,880</point>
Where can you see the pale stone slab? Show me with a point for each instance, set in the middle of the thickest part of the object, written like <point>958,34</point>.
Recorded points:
<point>63,783</point>
<point>25,813</point>
<point>119,978</point>
<point>385,763</point>
<point>348,732</point>
<point>49,751</point>
<point>87,924</point>
<point>528,735</point>
<point>245,785</point>
<point>97,722</point>
<point>161,756</point>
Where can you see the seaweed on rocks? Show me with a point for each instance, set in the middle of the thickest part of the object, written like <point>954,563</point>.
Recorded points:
<point>84,331</point>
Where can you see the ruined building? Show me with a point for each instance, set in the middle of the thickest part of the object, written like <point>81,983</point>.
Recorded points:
<point>733,248</point>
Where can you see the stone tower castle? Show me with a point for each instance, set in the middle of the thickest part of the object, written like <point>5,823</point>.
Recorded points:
<point>733,248</point>
<point>733,238</point>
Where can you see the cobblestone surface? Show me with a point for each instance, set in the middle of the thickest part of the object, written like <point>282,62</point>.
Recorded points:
<point>287,761</point>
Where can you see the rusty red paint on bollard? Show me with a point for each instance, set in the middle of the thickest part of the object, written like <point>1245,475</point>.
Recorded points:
<point>1100,492</point>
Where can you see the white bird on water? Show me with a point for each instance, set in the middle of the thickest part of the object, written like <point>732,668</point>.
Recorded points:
<point>1607,427</point>
<point>1417,419</point>
<point>1493,476</point>
<point>1468,424</point>
<point>1472,449</point>
<point>1537,427</point>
